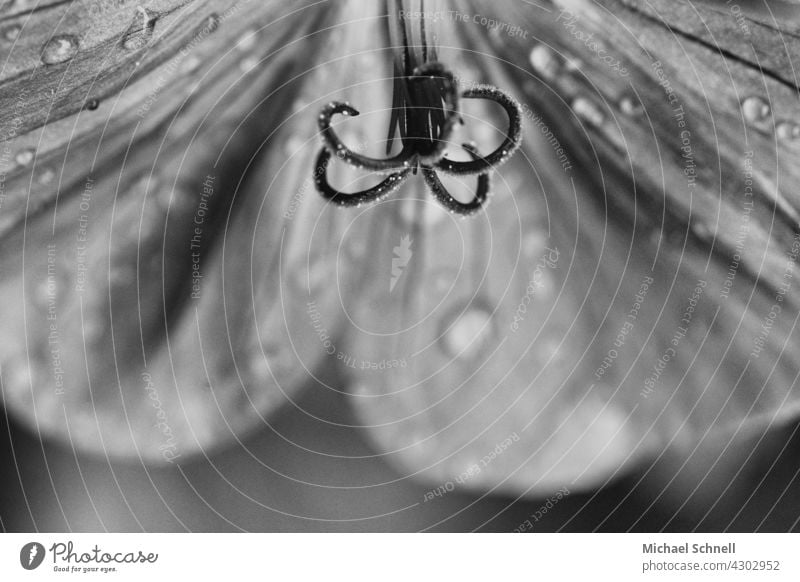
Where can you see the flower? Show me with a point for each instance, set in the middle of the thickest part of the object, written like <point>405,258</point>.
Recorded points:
<point>424,111</point>
<point>171,279</point>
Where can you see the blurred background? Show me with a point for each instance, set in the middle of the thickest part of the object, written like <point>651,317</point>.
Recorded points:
<point>48,487</point>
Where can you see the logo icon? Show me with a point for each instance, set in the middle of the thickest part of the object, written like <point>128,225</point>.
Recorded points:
<point>31,555</point>
<point>402,255</point>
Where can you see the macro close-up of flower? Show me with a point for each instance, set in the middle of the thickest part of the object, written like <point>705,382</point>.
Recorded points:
<point>399,265</point>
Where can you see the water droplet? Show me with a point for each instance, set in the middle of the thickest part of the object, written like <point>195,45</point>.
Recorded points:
<point>17,377</point>
<point>248,64</point>
<point>788,131</point>
<point>545,62</point>
<point>248,40</point>
<point>465,336</point>
<point>701,230</point>
<point>92,104</point>
<point>93,328</point>
<point>25,157</point>
<point>755,109</point>
<point>44,291</point>
<point>11,33</point>
<point>259,366</point>
<point>141,29</point>
<point>630,106</point>
<point>46,176</point>
<point>588,111</point>
<point>191,64</point>
<point>59,49</point>
<point>293,145</point>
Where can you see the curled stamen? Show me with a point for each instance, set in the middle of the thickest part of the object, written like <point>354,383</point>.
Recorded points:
<point>334,144</point>
<point>505,150</point>
<point>482,193</point>
<point>374,194</point>
<point>424,112</point>
<point>447,116</point>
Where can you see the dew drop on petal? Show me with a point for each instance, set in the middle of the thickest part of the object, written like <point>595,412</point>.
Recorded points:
<point>630,106</point>
<point>755,109</point>
<point>42,292</point>
<point>25,157</point>
<point>248,40</point>
<point>293,145</point>
<point>46,176</point>
<point>788,131</point>
<point>141,29</point>
<point>701,230</point>
<point>545,62</point>
<point>466,335</point>
<point>17,377</point>
<point>247,64</point>
<point>59,49</point>
<point>588,111</point>
<point>573,65</point>
<point>259,367</point>
<point>11,33</point>
<point>191,64</point>
<point>93,328</point>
